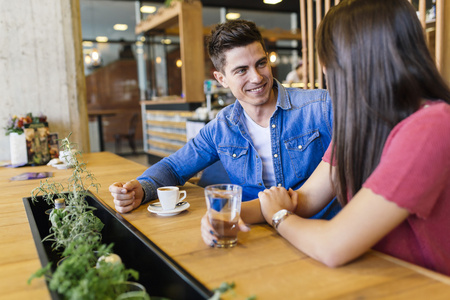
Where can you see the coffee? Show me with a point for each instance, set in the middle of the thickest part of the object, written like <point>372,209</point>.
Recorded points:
<point>169,196</point>
<point>165,189</point>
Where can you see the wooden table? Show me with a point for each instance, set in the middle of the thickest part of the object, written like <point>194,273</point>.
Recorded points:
<point>263,263</point>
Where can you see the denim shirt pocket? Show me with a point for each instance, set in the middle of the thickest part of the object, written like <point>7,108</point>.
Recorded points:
<point>305,152</point>
<point>234,159</point>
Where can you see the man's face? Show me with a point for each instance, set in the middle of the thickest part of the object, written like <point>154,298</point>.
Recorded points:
<point>248,74</point>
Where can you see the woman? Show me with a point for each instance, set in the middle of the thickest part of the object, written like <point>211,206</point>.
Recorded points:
<point>389,162</point>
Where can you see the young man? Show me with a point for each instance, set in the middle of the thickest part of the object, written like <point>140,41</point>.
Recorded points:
<point>271,136</point>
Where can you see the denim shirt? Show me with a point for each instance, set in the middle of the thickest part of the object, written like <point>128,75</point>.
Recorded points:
<point>300,129</point>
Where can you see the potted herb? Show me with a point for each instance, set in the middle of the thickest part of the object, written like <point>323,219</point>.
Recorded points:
<point>86,271</point>
<point>77,221</point>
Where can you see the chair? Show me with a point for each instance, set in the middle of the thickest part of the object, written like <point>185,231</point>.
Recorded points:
<point>130,136</point>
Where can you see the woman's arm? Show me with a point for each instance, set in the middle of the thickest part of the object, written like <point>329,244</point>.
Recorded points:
<point>314,195</point>
<point>359,226</point>
<point>316,192</point>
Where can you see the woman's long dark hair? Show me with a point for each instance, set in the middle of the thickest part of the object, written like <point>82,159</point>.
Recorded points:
<point>378,70</point>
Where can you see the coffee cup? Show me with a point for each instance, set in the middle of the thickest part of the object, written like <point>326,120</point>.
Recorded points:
<point>169,196</point>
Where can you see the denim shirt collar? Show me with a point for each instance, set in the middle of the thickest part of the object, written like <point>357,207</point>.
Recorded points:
<point>283,102</point>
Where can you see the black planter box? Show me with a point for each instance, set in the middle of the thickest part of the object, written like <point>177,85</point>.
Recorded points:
<point>159,273</point>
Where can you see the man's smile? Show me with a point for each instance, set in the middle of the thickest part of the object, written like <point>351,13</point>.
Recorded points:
<point>257,89</point>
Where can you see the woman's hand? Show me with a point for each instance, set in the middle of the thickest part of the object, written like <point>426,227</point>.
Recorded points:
<point>209,235</point>
<point>275,199</point>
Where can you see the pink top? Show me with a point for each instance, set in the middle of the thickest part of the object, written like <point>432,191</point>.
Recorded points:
<point>414,172</point>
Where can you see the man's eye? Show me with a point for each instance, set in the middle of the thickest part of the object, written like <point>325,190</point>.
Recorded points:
<point>240,71</point>
<point>263,64</point>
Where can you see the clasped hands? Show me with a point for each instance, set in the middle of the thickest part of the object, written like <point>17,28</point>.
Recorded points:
<point>271,200</point>
<point>276,199</point>
<point>127,196</point>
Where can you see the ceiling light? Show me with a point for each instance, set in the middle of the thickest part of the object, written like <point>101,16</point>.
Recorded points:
<point>233,16</point>
<point>148,9</point>
<point>179,63</point>
<point>273,58</point>
<point>95,56</point>
<point>88,59</point>
<point>272,1</point>
<point>158,59</point>
<point>87,44</point>
<point>166,41</point>
<point>120,27</point>
<point>101,39</point>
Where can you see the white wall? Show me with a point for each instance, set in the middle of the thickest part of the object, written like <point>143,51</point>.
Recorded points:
<point>41,68</point>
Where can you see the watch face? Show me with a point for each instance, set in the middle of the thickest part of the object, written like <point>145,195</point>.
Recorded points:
<point>279,214</point>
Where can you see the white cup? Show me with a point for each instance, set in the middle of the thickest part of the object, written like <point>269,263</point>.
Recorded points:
<point>169,196</point>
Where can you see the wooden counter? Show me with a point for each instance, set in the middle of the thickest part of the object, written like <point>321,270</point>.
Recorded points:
<point>262,264</point>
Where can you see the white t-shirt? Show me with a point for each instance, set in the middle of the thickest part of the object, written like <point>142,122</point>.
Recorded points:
<point>261,140</point>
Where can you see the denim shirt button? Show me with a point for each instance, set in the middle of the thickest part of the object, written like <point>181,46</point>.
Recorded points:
<point>260,184</point>
<point>279,185</point>
<point>275,155</point>
<point>234,154</point>
<point>300,147</point>
<point>273,125</point>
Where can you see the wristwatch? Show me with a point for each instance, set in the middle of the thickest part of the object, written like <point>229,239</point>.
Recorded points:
<point>279,217</point>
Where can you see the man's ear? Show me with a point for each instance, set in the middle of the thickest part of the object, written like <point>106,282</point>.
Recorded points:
<point>220,78</point>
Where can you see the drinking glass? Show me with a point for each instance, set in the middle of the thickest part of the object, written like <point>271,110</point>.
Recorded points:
<point>224,206</point>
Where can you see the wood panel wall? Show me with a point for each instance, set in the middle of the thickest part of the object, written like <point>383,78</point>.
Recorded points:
<point>115,87</point>
<point>435,33</point>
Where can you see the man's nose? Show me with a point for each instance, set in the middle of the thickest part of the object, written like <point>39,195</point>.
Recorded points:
<point>255,75</point>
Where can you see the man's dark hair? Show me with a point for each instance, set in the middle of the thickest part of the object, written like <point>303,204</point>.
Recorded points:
<point>229,35</point>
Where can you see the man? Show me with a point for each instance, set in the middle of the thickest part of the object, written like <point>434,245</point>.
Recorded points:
<point>271,136</point>
<point>295,75</point>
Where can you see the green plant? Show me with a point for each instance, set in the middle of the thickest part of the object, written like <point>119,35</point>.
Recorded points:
<point>78,184</point>
<point>78,221</point>
<point>76,231</point>
<point>81,275</point>
<point>73,224</point>
<point>228,287</point>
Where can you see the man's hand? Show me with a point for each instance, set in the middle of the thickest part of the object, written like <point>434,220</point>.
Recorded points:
<point>209,235</point>
<point>275,199</point>
<point>127,196</point>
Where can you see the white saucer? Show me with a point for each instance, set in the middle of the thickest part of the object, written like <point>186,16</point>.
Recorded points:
<point>167,213</point>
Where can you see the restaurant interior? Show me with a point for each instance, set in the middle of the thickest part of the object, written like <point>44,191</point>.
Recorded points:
<point>160,74</point>
<point>123,72</point>
<point>131,82</point>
